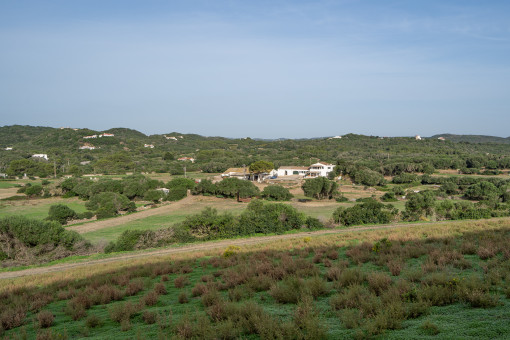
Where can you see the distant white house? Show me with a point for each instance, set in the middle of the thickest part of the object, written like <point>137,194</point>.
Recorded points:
<point>40,155</point>
<point>190,159</point>
<point>87,147</point>
<point>107,135</point>
<point>292,170</point>
<point>171,137</point>
<point>441,138</point>
<point>417,137</point>
<point>89,137</point>
<point>241,173</point>
<point>148,146</point>
<point>8,148</point>
<point>85,162</point>
<point>320,169</point>
<point>336,137</point>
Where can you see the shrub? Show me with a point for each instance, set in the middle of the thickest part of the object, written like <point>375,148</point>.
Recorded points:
<point>149,317</point>
<point>34,190</point>
<point>370,211</point>
<point>150,299</point>
<point>122,312</point>
<point>378,282</point>
<point>160,289</point>
<point>320,188</point>
<point>93,321</point>
<point>183,297</point>
<point>313,223</point>
<point>276,193</point>
<point>61,213</point>
<point>429,328</point>
<point>107,204</point>
<point>260,217</point>
<point>134,286</point>
<point>153,195</point>
<point>181,281</point>
<point>287,291</point>
<point>231,251</point>
<point>12,317</point>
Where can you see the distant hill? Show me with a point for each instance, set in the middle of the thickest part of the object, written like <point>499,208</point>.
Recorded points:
<point>473,138</point>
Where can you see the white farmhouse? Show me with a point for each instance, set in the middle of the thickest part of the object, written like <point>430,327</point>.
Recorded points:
<point>417,137</point>
<point>40,155</point>
<point>292,170</point>
<point>89,137</point>
<point>8,148</point>
<point>148,146</point>
<point>320,169</point>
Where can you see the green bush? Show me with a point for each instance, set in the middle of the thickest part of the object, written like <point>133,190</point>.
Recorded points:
<point>34,190</point>
<point>320,188</point>
<point>206,186</point>
<point>235,187</point>
<point>368,212</point>
<point>153,195</point>
<point>176,193</point>
<point>61,213</point>
<point>276,193</point>
<point>108,204</point>
<point>266,218</point>
<point>129,239</point>
<point>33,232</point>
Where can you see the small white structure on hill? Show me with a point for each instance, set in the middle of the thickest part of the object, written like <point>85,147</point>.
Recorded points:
<point>320,169</point>
<point>40,155</point>
<point>148,146</point>
<point>107,135</point>
<point>8,148</point>
<point>336,137</point>
<point>417,137</point>
<point>192,160</point>
<point>87,147</point>
<point>292,170</point>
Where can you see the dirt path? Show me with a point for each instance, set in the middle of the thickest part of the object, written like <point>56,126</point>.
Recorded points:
<point>165,209</point>
<point>197,247</point>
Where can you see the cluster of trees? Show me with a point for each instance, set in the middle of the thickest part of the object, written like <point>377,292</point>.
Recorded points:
<point>320,188</point>
<point>360,157</point>
<point>19,233</point>
<point>229,187</point>
<point>258,218</point>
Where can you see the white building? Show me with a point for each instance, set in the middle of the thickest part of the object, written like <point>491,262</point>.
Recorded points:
<point>292,170</point>
<point>40,155</point>
<point>172,138</point>
<point>87,147</point>
<point>192,160</point>
<point>8,148</point>
<point>148,146</point>
<point>320,169</point>
<point>417,137</point>
<point>107,135</point>
<point>89,137</point>
<point>335,137</point>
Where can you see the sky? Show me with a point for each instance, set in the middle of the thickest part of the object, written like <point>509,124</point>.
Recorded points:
<point>263,69</point>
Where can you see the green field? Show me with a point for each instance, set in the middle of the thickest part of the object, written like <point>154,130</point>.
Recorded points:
<point>39,208</point>
<point>420,282</point>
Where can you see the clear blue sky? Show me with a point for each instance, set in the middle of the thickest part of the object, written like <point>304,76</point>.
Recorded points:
<point>258,68</point>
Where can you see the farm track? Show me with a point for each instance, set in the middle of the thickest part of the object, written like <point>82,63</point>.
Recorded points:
<point>200,247</point>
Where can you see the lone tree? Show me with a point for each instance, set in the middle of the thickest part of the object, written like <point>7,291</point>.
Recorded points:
<point>259,167</point>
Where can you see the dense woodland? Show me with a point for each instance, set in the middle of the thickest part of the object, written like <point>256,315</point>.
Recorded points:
<point>125,152</point>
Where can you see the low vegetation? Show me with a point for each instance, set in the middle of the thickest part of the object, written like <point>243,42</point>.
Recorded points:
<point>394,287</point>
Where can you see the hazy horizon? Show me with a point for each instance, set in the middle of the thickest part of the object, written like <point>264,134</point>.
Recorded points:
<point>269,69</point>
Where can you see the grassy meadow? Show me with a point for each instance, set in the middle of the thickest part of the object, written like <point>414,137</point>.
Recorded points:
<point>425,281</point>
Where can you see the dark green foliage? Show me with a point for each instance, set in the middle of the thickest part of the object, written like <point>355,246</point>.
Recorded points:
<point>208,224</point>
<point>34,190</point>
<point>153,195</point>
<point>420,204</point>
<point>368,212</point>
<point>131,240</point>
<point>235,187</point>
<point>261,167</point>
<point>176,193</point>
<point>32,233</point>
<point>266,218</point>
<point>367,177</point>
<point>276,193</point>
<point>29,167</point>
<point>61,213</point>
<point>320,188</point>
<point>181,182</point>
<point>109,204</point>
<point>450,188</point>
<point>483,191</point>
<point>205,187</point>
<point>405,178</point>
<point>450,210</point>
<point>313,223</point>
<point>389,197</point>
